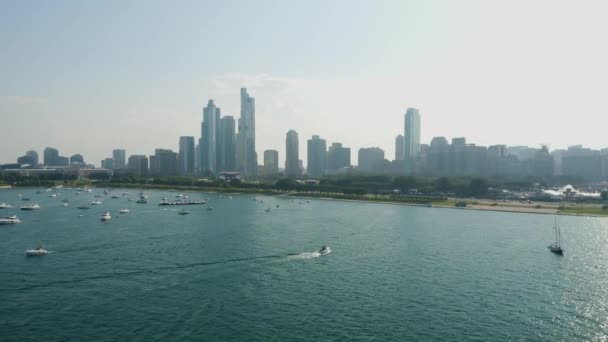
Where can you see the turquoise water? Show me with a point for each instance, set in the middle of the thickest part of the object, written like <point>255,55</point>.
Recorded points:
<point>239,273</point>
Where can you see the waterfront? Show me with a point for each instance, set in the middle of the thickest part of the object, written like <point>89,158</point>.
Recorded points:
<point>241,273</point>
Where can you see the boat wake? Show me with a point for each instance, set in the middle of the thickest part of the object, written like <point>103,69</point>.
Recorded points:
<point>309,255</point>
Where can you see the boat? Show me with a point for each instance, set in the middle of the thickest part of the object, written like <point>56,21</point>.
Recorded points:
<point>267,209</point>
<point>10,220</point>
<point>64,204</point>
<point>209,208</point>
<point>183,212</point>
<point>65,200</point>
<point>115,196</point>
<point>324,250</point>
<point>124,211</point>
<point>277,205</point>
<point>53,195</point>
<point>96,203</point>
<point>106,216</point>
<point>25,198</point>
<point>36,252</point>
<point>143,199</point>
<point>556,247</point>
<point>5,206</point>
<point>84,207</point>
<point>30,207</point>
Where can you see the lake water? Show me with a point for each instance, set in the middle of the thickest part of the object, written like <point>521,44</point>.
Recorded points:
<point>240,273</point>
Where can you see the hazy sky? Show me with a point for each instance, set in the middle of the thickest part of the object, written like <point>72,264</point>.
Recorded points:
<point>89,76</point>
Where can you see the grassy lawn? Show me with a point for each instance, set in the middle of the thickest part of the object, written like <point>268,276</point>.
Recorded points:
<point>584,211</point>
<point>446,203</point>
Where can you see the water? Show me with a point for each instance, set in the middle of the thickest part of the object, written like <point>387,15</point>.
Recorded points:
<point>239,273</point>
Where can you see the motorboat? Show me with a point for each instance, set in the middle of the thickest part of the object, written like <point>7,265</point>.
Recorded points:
<point>209,208</point>
<point>30,207</point>
<point>64,204</point>
<point>106,216</point>
<point>5,206</point>
<point>25,198</point>
<point>183,212</point>
<point>36,252</point>
<point>324,250</point>
<point>65,200</point>
<point>84,207</point>
<point>267,209</point>
<point>115,196</point>
<point>124,211</point>
<point>53,195</point>
<point>277,205</point>
<point>10,220</point>
<point>96,203</point>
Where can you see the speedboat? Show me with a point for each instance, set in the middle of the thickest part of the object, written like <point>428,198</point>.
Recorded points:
<point>84,207</point>
<point>53,195</point>
<point>5,206</point>
<point>123,211</point>
<point>30,207</point>
<point>183,212</point>
<point>36,252</point>
<point>64,204</point>
<point>96,203</point>
<point>106,216</point>
<point>10,220</point>
<point>115,196</point>
<point>324,250</point>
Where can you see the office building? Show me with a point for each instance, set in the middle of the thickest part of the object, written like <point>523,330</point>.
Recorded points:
<point>120,159</point>
<point>371,160</point>
<point>292,155</point>
<point>246,155</point>
<point>186,156</point>
<point>271,162</point>
<point>138,165</point>
<point>317,156</point>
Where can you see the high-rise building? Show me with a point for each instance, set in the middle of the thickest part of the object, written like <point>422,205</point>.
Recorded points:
<point>317,156</point>
<point>77,158</point>
<point>211,113</point>
<point>138,165</point>
<point>107,164</point>
<point>438,157</point>
<point>62,161</point>
<point>246,154</point>
<point>186,155</point>
<point>271,162</point>
<point>227,146</point>
<point>26,160</point>
<point>292,155</point>
<point>34,155</point>
<point>399,147</point>
<point>411,135</point>
<point>457,156</point>
<point>338,157</point>
<point>371,160</point>
<point>51,157</point>
<point>120,159</point>
<point>163,163</point>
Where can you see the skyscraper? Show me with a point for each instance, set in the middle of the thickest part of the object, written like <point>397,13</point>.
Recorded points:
<point>317,156</point>
<point>107,163</point>
<point>246,155</point>
<point>77,158</point>
<point>292,155</point>
<point>227,146</point>
<point>120,159</point>
<point>33,155</point>
<point>338,157</point>
<point>209,138</point>
<point>163,163</point>
<point>186,155</point>
<point>51,156</point>
<point>138,165</point>
<point>399,147</point>
<point>371,160</point>
<point>411,135</point>
<point>271,162</point>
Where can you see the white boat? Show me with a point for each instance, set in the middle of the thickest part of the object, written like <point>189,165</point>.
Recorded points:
<point>96,203</point>
<point>556,247</point>
<point>5,206</point>
<point>64,204</point>
<point>53,195</point>
<point>324,250</point>
<point>124,211</point>
<point>10,220</point>
<point>36,252</point>
<point>30,207</point>
<point>106,216</point>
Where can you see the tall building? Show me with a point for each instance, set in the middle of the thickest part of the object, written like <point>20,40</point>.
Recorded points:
<point>211,113</point>
<point>163,163</point>
<point>51,157</point>
<point>34,156</point>
<point>338,157</point>
<point>317,156</point>
<point>138,165</point>
<point>271,162</point>
<point>399,147</point>
<point>292,155</point>
<point>246,156</point>
<point>77,158</point>
<point>227,146</point>
<point>186,155</point>
<point>26,160</point>
<point>457,156</point>
<point>107,164</point>
<point>120,159</point>
<point>438,157</point>
<point>411,136</point>
<point>371,160</point>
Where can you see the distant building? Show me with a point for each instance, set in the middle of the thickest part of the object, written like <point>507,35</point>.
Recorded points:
<point>371,160</point>
<point>186,155</point>
<point>107,164</point>
<point>411,135</point>
<point>120,159</point>
<point>227,145</point>
<point>292,155</point>
<point>51,156</point>
<point>582,162</point>
<point>163,163</point>
<point>399,147</point>
<point>457,157</point>
<point>209,130</point>
<point>23,160</point>
<point>77,158</point>
<point>317,158</point>
<point>62,161</point>
<point>34,157</point>
<point>247,163</point>
<point>543,164</point>
<point>438,157</point>
<point>338,157</point>
<point>271,162</point>
<point>138,165</point>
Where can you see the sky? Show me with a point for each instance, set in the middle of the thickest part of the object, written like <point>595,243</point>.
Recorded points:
<point>90,76</point>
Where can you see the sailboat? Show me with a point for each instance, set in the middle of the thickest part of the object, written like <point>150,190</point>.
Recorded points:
<point>556,247</point>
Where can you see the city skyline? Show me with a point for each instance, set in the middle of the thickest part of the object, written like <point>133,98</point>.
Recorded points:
<point>493,86</point>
